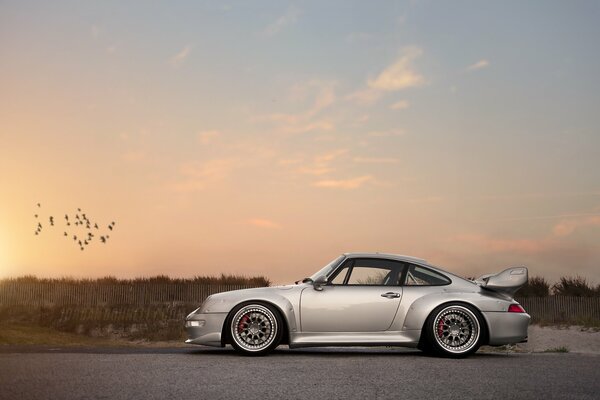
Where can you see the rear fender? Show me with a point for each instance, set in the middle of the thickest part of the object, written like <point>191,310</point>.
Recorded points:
<point>420,309</point>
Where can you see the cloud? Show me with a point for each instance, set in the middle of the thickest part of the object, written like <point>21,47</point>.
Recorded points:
<point>322,92</point>
<point>315,170</point>
<point>398,76</point>
<point>365,97</point>
<point>479,65</point>
<point>289,18</point>
<point>321,163</point>
<point>263,223</point>
<point>568,226</point>
<point>496,245</point>
<point>401,74</point>
<point>390,133</point>
<point>400,105</point>
<point>196,175</point>
<point>320,126</point>
<point>548,243</point>
<point>206,137</point>
<point>324,99</point>
<point>178,59</point>
<point>375,160</point>
<point>326,158</point>
<point>309,120</point>
<point>353,183</point>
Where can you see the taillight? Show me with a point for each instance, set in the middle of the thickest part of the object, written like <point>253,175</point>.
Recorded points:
<point>516,308</point>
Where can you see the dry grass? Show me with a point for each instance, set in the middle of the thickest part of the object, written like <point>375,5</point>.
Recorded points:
<point>128,323</point>
<point>223,279</point>
<point>27,334</point>
<point>561,349</point>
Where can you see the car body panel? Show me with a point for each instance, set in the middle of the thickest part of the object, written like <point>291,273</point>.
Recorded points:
<point>348,308</point>
<point>358,315</point>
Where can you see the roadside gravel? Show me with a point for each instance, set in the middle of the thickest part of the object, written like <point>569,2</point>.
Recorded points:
<point>575,339</point>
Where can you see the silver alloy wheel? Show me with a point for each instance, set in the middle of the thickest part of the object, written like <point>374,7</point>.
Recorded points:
<point>254,327</point>
<point>456,329</point>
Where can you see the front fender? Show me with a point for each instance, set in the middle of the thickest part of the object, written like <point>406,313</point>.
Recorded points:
<point>284,299</point>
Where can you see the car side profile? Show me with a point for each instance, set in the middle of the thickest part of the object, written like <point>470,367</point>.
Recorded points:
<point>368,299</point>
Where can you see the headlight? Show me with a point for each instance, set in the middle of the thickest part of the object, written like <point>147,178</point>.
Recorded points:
<point>200,309</point>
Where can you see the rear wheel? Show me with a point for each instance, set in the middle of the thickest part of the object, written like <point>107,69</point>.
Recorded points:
<point>454,330</point>
<point>255,329</point>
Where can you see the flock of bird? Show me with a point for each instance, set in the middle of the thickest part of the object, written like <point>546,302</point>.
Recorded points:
<point>80,227</point>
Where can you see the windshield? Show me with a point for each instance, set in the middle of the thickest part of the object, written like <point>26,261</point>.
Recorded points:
<point>326,270</point>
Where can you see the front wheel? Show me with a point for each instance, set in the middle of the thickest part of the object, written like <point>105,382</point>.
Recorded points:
<point>255,329</point>
<point>454,330</point>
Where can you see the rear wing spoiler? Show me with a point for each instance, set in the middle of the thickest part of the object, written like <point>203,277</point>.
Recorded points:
<point>506,282</point>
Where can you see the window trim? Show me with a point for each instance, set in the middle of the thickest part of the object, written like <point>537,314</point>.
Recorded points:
<point>350,264</point>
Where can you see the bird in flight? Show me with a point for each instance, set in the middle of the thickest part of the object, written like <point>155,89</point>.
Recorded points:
<point>81,230</point>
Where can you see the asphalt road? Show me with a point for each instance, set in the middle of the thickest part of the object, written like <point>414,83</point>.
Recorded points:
<point>204,373</point>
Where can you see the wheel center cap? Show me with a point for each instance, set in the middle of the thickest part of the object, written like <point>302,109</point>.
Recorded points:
<point>454,331</point>
<point>253,328</point>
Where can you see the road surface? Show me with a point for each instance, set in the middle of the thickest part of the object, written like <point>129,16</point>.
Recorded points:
<point>205,373</point>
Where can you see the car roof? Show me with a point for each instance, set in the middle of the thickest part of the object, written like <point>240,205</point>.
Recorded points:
<point>387,256</point>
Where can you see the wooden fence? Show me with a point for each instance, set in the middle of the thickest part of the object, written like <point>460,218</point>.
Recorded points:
<point>42,294</point>
<point>95,294</point>
<point>562,309</point>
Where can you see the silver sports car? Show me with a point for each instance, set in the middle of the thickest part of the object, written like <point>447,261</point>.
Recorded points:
<point>368,299</point>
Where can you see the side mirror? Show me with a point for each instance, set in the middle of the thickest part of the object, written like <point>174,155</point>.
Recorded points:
<point>319,283</point>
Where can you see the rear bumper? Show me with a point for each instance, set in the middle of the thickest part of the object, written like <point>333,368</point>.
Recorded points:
<point>506,328</point>
<point>205,328</point>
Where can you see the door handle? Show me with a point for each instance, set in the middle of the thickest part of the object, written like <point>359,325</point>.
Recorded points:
<point>391,295</point>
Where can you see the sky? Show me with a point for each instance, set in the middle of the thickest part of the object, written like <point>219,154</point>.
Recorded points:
<point>268,137</point>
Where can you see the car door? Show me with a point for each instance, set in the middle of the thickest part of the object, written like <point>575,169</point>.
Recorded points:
<point>362,295</point>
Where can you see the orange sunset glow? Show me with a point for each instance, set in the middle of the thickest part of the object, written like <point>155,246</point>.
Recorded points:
<point>266,139</point>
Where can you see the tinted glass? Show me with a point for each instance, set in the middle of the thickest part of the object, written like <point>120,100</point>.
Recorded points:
<point>370,272</point>
<point>419,276</point>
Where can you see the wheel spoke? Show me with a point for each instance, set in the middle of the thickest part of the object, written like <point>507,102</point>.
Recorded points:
<point>254,328</point>
<point>457,329</point>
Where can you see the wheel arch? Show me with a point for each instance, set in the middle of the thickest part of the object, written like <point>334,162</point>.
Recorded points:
<point>285,338</point>
<point>485,328</point>
<point>422,307</point>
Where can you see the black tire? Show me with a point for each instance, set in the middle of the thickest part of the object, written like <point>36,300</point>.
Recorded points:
<point>454,330</point>
<point>254,329</point>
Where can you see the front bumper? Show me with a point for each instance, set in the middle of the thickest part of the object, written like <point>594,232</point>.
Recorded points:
<point>507,328</point>
<point>205,329</point>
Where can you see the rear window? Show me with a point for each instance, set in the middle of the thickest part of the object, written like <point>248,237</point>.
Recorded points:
<point>420,276</point>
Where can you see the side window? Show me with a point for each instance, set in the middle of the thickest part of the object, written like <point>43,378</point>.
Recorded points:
<point>373,272</point>
<point>419,276</point>
<point>368,276</point>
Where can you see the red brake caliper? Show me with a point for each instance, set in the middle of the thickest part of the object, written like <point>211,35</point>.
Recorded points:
<point>441,328</point>
<point>242,323</point>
